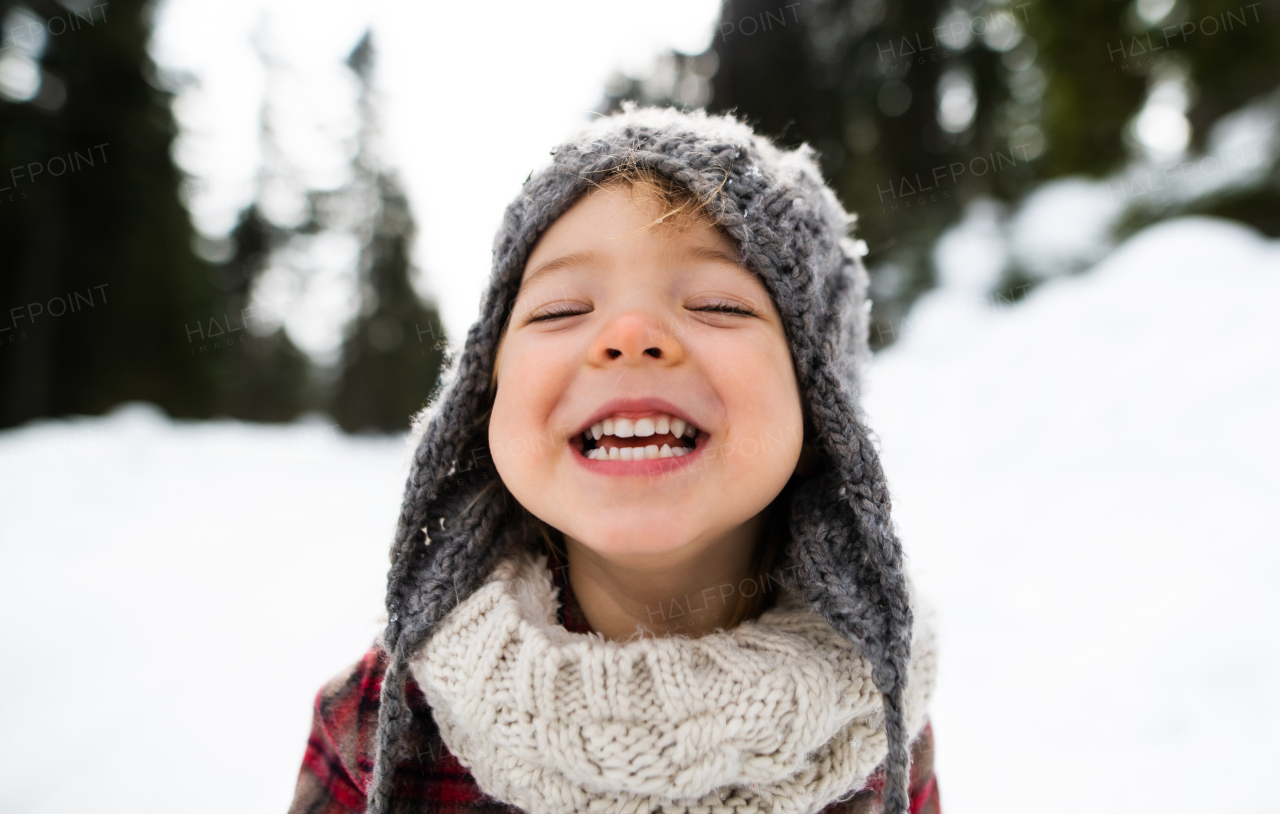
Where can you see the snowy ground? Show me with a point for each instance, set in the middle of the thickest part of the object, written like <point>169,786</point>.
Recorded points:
<point>172,597</point>
<point>1086,483</point>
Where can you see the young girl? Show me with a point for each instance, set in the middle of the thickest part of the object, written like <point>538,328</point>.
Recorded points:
<point>645,561</point>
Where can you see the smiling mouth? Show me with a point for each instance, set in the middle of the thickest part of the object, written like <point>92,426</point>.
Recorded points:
<point>627,439</point>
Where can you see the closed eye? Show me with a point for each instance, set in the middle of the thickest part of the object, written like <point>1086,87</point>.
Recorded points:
<point>726,308</point>
<point>558,312</point>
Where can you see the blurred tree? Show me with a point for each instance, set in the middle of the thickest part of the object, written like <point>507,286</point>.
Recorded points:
<point>394,348</point>
<point>918,108</point>
<point>1099,55</point>
<point>1234,51</point>
<point>106,300</point>
<point>1105,58</point>
<point>907,105</point>
<point>267,378</point>
<point>99,274</point>
<point>1088,98</point>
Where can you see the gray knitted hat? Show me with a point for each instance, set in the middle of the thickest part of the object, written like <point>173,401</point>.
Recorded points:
<point>842,558</point>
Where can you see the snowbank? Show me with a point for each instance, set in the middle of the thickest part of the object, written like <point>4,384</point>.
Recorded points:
<point>1086,484</point>
<point>172,597</point>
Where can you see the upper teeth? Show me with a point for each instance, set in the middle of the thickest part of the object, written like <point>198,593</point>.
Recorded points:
<point>642,427</point>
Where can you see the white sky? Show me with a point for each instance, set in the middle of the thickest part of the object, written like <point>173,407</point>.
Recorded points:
<point>473,97</point>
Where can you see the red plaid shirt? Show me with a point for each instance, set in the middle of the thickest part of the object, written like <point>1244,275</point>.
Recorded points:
<point>338,763</point>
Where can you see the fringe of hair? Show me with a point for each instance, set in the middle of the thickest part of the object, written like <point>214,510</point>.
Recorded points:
<point>681,207</point>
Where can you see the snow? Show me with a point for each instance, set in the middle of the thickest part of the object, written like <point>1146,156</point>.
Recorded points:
<point>1085,482</point>
<point>1242,148</point>
<point>173,595</point>
<point>1086,485</point>
<point>1063,226</point>
<point>971,254</point>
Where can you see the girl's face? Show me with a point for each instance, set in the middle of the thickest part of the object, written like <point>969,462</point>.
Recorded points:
<point>625,344</point>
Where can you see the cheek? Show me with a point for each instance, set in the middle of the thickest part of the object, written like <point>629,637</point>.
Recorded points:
<point>758,377</point>
<point>527,392</point>
<point>758,384</point>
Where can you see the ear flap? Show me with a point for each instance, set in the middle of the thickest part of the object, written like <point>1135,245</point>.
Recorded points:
<point>845,561</point>
<point>845,293</point>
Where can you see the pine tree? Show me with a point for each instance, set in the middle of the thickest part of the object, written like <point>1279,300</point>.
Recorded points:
<point>266,378</point>
<point>99,275</point>
<point>394,348</point>
<point>263,378</point>
<point>1101,57</point>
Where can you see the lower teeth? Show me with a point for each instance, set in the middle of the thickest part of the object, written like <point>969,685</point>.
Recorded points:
<point>636,453</point>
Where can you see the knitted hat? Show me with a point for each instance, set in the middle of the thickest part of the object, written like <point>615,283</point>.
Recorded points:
<point>843,558</point>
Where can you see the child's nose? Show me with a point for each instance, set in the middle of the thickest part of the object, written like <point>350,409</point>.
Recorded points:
<point>635,336</point>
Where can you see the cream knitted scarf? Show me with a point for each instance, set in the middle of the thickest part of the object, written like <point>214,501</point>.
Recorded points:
<point>778,715</point>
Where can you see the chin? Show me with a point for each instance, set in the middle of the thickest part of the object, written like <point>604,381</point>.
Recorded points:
<point>638,532</point>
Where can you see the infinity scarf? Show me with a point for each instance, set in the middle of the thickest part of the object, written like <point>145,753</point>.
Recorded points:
<point>777,715</point>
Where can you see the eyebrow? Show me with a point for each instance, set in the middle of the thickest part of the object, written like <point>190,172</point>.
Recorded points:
<point>710,255</point>
<point>568,261</point>
<point>704,254</point>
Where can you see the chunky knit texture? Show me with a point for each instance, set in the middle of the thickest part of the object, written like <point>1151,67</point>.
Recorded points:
<point>779,715</point>
<point>843,559</point>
